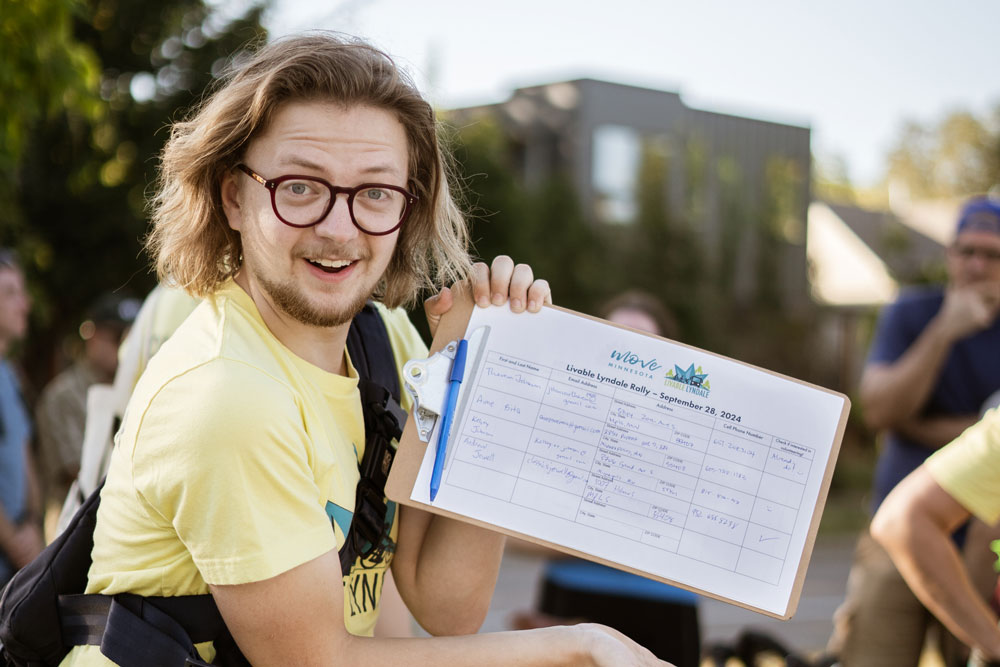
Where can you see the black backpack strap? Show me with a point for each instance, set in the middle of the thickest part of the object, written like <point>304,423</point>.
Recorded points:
<point>137,631</point>
<point>372,356</point>
<point>140,634</point>
<point>370,350</point>
<point>85,617</point>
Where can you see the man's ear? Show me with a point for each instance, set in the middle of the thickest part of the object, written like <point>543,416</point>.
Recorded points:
<point>231,200</point>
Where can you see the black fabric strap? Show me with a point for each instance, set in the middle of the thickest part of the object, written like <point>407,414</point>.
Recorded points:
<point>84,617</point>
<point>367,341</point>
<point>139,634</point>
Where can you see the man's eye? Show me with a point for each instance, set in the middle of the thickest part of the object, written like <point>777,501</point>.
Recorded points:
<point>300,188</point>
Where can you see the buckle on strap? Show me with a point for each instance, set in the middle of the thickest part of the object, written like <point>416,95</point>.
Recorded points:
<point>381,410</point>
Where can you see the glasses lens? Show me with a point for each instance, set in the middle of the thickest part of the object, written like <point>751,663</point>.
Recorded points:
<point>301,201</point>
<point>378,208</point>
<point>968,252</point>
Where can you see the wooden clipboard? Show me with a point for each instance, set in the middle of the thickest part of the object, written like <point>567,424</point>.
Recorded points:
<point>411,452</point>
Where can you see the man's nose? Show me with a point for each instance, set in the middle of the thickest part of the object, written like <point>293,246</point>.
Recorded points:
<point>338,223</point>
<point>978,264</point>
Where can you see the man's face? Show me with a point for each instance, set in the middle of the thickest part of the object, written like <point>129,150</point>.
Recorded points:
<point>14,305</point>
<point>321,275</point>
<point>974,257</point>
<point>102,350</point>
<point>635,318</point>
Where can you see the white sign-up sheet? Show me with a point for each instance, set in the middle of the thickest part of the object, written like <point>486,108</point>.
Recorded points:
<point>641,453</point>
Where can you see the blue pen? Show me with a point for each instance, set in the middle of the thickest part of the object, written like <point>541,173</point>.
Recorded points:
<point>457,372</point>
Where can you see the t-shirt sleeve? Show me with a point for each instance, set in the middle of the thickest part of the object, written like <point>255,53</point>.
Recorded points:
<point>893,335</point>
<point>238,490</point>
<point>969,468</point>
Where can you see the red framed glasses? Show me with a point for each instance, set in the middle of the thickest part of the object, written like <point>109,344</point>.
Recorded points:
<point>304,201</point>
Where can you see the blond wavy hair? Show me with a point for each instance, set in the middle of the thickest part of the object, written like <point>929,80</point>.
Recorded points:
<point>191,241</point>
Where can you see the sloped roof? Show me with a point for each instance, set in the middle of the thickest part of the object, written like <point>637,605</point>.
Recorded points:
<point>907,253</point>
<point>844,271</point>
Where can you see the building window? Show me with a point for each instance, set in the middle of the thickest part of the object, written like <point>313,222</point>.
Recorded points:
<point>616,155</point>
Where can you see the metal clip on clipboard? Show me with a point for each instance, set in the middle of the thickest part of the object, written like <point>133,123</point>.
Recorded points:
<point>426,381</point>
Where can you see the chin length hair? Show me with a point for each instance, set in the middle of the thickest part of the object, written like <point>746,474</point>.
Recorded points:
<point>191,241</point>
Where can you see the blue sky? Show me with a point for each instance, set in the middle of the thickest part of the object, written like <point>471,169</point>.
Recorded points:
<point>853,71</point>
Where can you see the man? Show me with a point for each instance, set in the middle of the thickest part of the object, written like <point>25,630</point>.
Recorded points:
<point>916,521</point>
<point>932,365</point>
<point>20,505</point>
<point>310,181</point>
<point>62,407</point>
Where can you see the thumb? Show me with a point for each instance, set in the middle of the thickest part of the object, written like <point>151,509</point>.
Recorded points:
<point>436,306</point>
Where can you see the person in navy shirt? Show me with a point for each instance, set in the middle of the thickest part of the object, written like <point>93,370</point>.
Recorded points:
<point>934,362</point>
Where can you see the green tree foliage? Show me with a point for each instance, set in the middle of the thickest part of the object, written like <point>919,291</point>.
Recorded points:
<point>44,72</point>
<point>831,180</point>
<point>83,179</point>
<point>957,156</point>
<point>541,225</point>
<point>660,254</point>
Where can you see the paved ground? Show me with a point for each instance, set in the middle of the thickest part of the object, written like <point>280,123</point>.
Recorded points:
<point>806,632</point>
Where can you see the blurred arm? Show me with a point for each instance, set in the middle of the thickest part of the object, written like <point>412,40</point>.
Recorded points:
<point>915,524</point>
<point>935,432</point>
<point>893,393</point>
<point>22,542</point>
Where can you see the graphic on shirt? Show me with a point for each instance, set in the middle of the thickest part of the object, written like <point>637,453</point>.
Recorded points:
<point>363,584</point>
<point>339,516</point>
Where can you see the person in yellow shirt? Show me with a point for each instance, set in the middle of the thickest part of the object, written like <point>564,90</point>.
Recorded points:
<point>916,521</point>
<point>308,183</point>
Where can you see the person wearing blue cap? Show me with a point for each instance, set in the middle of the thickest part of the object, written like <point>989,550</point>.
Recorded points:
<point>933,363</point>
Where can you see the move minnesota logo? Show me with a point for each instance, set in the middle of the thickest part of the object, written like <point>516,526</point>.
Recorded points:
<point>693,380</point>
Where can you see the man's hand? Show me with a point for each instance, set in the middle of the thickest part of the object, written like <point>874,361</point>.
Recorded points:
<point>610,648</point>
<point>495,284</point>
<point>970,308</point>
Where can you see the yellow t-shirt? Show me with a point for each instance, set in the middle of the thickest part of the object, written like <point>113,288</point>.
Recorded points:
<point>969,468</point>
<point>162,312</point>
<point>234,459</point>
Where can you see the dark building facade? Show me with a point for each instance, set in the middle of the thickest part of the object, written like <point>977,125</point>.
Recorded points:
<point>732,180</point>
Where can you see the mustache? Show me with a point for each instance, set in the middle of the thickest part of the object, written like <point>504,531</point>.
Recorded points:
<point>336,250</point>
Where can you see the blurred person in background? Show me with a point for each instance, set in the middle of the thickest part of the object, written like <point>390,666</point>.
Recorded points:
<point>658,616</point>
<point>20,501</point>
<point>933,363</point>
<point>61,412</point>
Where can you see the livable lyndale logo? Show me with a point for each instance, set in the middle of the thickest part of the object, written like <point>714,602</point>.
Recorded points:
<point>693,380</point>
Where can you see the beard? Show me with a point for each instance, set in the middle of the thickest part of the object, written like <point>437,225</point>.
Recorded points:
<point>293,303</point>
